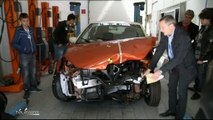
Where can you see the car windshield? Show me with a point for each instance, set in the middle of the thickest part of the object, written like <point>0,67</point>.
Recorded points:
<point>106,32</point>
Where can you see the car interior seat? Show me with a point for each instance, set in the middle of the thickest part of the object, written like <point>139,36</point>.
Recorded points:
<point>130,32</point>
<point>100,31</point>
<point>107,36</point>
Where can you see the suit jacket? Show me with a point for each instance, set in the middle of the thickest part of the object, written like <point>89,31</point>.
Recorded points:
<point>184,59</point>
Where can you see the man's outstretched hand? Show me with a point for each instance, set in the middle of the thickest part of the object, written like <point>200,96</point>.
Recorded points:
<point>152,77</point>
<point>156,74</point>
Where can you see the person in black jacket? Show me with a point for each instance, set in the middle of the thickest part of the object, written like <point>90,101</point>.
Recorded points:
<point>191,28</point>
<point>23,42</point>
<point>61,35</point>
<point>204,50</point>
<point>181,65</point>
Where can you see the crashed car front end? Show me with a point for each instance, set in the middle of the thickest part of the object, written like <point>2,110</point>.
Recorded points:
<point>91,72</point>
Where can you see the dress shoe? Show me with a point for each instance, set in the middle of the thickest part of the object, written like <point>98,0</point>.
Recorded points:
<point>167,113</point>
<point>195,96</point>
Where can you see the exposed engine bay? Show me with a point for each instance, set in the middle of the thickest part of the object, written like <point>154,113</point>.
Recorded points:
<point>122,82</point>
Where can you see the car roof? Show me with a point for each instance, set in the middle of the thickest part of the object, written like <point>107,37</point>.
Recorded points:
<point>117,22</point>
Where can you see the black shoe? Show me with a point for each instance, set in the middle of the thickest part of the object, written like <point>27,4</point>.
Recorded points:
<point>195,96</point>
<point>26,94</point>
<point>167,113</point>
<point>36,90</point>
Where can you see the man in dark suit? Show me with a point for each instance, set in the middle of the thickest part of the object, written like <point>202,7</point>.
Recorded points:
<point>181,65</point>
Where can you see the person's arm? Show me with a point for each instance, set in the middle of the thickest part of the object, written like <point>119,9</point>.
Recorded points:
<point>15,42</point>
<point>209,48</point>
<point>33,40</point>
<point>158,53</point>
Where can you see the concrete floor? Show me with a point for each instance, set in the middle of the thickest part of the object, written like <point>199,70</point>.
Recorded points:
<point>45,105</point>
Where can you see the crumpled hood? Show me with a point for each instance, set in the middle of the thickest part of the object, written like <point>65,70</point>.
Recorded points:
<point>98,55</point>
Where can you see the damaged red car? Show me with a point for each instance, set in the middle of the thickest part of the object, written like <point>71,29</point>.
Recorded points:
<point>107,60</point>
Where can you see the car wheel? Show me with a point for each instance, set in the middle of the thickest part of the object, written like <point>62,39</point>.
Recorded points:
<point>152,93</point>
<point>56,89</point>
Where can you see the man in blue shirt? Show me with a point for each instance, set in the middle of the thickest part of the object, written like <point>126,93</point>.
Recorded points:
<point>181,65</point>
<point>23,42</point>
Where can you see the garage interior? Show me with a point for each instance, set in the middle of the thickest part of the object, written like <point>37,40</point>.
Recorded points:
<point>44,16</point>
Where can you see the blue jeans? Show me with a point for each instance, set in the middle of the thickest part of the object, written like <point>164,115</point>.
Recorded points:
<point>201,78</point>
<point>28,69</point>
<point>59,51</point>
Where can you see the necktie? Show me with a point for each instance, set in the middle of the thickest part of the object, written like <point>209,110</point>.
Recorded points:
<point>170,53</point>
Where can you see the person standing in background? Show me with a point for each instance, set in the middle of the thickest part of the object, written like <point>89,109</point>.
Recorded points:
<point>63,31</point>
<point>61,38</point>
<point>23,42</point>
<point>191,28</point>
<point>204,50</point>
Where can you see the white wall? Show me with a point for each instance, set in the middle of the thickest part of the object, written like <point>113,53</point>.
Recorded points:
<point>154,19</point>
<point>110,10</point>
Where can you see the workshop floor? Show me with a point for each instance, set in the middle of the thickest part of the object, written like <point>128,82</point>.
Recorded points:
<point>45,105</point>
